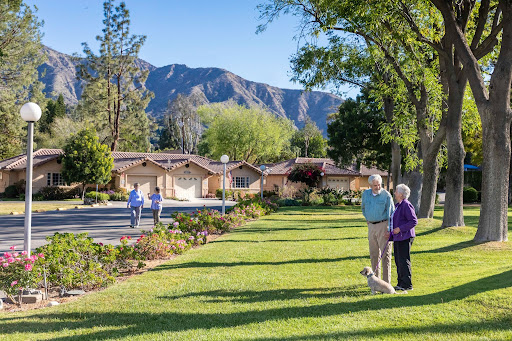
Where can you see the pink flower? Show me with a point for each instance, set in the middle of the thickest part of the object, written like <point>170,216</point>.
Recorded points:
<point>24,253</point>
<point>10,260</point>
<point>13,283</point>
<point>28,267</point>
<point>7,255</point>
<point>42,255</point>
<point>5,265</point>
<point>13,247</point>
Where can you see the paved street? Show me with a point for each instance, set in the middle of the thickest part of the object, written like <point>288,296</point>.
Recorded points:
<point>106,224</point>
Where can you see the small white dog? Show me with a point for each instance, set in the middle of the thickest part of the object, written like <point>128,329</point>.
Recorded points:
<point>376,284</point>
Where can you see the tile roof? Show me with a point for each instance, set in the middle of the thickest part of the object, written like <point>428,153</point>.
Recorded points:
<point>168,161</point>
<point>365,171</point>
<point>283,168</point>
<point>40,157</point>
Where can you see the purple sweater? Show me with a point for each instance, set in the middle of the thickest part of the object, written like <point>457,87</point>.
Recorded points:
<point>404,218</point>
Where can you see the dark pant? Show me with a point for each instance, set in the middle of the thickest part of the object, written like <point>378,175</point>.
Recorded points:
<point>402,250</point>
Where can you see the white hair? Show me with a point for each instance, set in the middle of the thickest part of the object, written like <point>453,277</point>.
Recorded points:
<point>402,188</point>
<point>374,177</point>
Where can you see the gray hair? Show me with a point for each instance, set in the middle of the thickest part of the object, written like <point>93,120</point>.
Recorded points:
<point>402,188</point>
<point>374,177</point>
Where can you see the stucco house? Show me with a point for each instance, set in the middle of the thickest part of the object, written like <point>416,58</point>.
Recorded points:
<point>334,176</point>
<point>178,175</point>
<point>183,176</point>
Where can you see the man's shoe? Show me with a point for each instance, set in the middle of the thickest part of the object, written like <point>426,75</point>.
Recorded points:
<point>398,288</point>
<point>131,226</point>
<point>408,289</point>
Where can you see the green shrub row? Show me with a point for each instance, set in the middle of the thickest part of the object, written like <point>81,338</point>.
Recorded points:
<point>76,261</point>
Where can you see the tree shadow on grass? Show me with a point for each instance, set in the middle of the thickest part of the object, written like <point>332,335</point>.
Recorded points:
<point>251,296</point>
<point>284,240</point>
<point>136,323</point>
<point>449,248</point>
<point>443,330</point>
<point>253,229</point>
<point>191,265</point>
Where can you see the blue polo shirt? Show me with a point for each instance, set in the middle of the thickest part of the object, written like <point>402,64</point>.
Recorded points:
<point>136,198</point>
<point>377,207</point>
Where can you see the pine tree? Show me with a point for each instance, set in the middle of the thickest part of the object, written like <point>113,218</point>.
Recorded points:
<point>19,58</point>
<point>115,97</point>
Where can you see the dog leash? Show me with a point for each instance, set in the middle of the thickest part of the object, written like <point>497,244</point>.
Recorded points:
<point>382,254</point>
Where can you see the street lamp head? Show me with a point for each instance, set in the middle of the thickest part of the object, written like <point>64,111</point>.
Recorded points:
<point>30,112</point>
<point>262,167</point>
<point>322,174</point>
<point>224,159</point>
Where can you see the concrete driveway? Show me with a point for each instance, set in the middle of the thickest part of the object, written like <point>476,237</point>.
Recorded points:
<point>106,224</point>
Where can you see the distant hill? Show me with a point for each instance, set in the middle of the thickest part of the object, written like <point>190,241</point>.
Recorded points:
<point>217,85</point>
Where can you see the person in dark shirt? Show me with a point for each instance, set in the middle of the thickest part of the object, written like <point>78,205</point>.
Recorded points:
<point>402,234</point>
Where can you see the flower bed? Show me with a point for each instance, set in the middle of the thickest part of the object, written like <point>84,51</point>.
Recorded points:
<point>76,261</point>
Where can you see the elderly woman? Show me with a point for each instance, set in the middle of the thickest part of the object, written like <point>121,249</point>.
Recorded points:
<point>403,221</point>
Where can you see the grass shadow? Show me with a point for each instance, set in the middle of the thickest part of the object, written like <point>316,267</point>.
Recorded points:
<point>130,324</point>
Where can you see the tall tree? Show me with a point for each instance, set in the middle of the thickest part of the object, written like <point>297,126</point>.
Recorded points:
<point>371,24</point>
<point>86,160</point>
<point>354,134</point>
<point>182,122</point>
<point>20,44</point>
<point>54,109</point>
<point>492,97</point>
<point>115,97</point>
<point>309,140</point>
<point>251,134</point>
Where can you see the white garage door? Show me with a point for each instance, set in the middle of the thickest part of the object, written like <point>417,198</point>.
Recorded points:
<point>338,183</point>
<point>147,183</point>
<point>187,186</point>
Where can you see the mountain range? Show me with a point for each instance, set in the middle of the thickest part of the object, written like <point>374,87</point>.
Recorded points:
<point>217,85</point>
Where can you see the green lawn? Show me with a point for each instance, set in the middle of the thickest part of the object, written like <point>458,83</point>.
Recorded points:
<point>294,275</point>
<point>6,207</point>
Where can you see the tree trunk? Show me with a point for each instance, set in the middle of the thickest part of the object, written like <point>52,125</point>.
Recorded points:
<point>429,186</point>
<point>396,162</point>
<point>453,210</point>
<point>414,180</point>
<point>396,155</point>
<point>493,223</point>
<point>510,183</point>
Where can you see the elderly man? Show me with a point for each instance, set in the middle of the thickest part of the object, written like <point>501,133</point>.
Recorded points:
<point>377,206</point>
<point>135,204</point>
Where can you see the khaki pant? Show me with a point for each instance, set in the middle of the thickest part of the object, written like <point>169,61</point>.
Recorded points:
<point>378,235</point>
<point>156,216</point>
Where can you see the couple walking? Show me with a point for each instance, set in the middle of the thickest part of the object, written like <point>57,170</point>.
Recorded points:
<point>136,203</point>
<point>386,223</point>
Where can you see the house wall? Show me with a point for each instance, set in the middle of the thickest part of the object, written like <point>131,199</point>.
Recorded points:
<point>362,183</point>
<point>215,181</point>
<point>6,180</point>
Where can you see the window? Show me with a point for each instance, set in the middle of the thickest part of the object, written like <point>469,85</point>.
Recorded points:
<point>54,179</point>
<point>241,182</point>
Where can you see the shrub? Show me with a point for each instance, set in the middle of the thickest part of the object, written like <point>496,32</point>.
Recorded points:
<point>118,196</point>
<point>228,194</point>
<point>101,196</point>
<point>11,192</point>
<point>75,261</point>
<point>328,195</point>
<point>18,271</point>
<point>288,202</point>
<point>52,193</point>
<point>469,195</point>
<point>308,173</point>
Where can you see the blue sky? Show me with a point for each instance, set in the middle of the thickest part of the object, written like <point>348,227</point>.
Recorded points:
<point>199,33</point>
